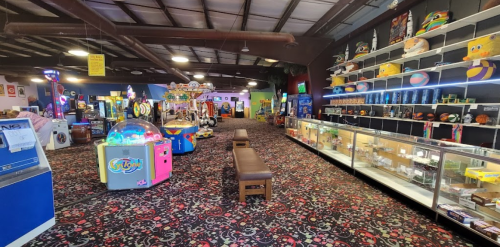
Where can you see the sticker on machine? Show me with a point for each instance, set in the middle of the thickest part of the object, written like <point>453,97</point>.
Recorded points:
<point>125,165</point>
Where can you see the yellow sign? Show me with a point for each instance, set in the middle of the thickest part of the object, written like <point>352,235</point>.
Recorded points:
<point>96,65</point>
<point>177,96</point>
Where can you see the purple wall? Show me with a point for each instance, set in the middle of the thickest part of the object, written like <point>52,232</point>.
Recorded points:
<point>244,98</point>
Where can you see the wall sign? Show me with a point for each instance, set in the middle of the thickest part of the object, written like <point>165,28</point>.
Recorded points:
<point>2,90</point>
<point>96,65</point>
<point>11,90</point>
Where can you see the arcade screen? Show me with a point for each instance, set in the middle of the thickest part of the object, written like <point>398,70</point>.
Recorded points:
<point>216,98</point>
<point>235,99</point>
<point>302,87</point>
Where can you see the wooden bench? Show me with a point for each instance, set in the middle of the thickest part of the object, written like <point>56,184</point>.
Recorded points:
<point>251,171</point>
<point>240,139</point>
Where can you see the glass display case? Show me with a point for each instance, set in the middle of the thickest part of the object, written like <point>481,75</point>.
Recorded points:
<point>457,181</point>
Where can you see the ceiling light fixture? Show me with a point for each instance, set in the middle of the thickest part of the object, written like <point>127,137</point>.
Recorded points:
<point>180,59</point>
<point>78,52</point>
<point>38,80</point>
<point>269,60</point>
<point>252,83</point>
<point>245,90</point>
<point>136,72</point>
<point>72,79</point>
<point>245,48</point>
<point>237,72</point>
<point>198,76</point>
<point>242,93</point>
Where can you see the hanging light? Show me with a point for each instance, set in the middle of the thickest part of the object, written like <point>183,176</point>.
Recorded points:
<point>72,79</point>
<point>180,59</point>
<point>245,48</point>
<point>37,80</point>
<point>78,52</point>
<point>269,60</point>
<point>245,90</point>
<point>199,76</point>
<point>252,83</point>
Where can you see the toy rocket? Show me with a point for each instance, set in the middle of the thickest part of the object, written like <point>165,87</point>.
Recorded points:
<point>347,53</point>
<point>374,41</point>
<point>393,5</point>
<point>409,26</point>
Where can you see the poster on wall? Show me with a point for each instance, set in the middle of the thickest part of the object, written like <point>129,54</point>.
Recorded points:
<point>398,29</point>
<point>21,93</point>
<point>2,90</point>
<point>11,90</point>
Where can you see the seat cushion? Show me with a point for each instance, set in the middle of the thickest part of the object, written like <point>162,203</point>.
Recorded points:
<point>249,166</point>
<point>240,135</point>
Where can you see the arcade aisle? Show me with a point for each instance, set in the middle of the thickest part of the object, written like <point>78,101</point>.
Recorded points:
<point>314,203</point>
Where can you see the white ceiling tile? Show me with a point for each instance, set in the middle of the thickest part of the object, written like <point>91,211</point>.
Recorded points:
<point>296,27</point>
<point>274,8</point>
<point>31,7</point>
<point>311,10</point>
<point>150,15</point>
<point>257,23</point>
<point>226,6</point>
<point>187,18</point>
<point>225,21</point>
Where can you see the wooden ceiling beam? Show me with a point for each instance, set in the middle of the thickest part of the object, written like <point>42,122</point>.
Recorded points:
<point>210,25</point>
<point>125,48</point>
<point>19,51</point>
<point>167,13</point>
<point>27,46</point>
<point>50,8</point>
<point>337,7</point>
<point>246,13</point>
<point>101,48</point>
<point>343,15</point>
<point>257,61</point>
<point>284,18</point>
<point>14,8</point>
<point>129,12</point>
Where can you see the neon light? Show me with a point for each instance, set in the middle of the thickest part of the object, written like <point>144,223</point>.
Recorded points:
<point>414,88</point>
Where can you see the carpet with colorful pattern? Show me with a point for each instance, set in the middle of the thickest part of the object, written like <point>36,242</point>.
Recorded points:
<point>314,203</point>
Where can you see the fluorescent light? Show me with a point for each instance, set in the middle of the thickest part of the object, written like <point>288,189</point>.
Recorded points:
<point>269,60</point>
<point>38,80</point>
<point>198,76</point>
<point>180,59</point>
<point>245,90</point>
<point>72,79</point>
<point>245,49</point>
<point>80,53</point>
<point>252,83</point>
<point>242,93</point>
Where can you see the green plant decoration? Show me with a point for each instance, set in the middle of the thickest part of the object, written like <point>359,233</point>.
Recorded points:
<point>294,69</point>
<point>276,79</point>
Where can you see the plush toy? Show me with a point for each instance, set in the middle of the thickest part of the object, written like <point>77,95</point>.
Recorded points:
<point>340,59</point>
<point>434,20</point>
<point>415,46</point>
<point>483,71</point>
<point>490,4</point>
<point>361,49</point>
<point>388,69</point>
<point>483,47</point>
<point>350,66</point>
<point>337,81</point>
<point>350,89</point>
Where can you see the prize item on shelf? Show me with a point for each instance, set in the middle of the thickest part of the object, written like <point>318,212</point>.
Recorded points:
<point>415,46</point>
<point>340,59</point>
<point>398,29</point>
<point>387,111</point>
<point>483,71</point>
<point>483,175</point>
<point>363,113</point>
<point>361,49</point>
<point>486,198</point>
<point>419,79</point>
<point>388,69</point>
<point>491,121</point>
<point>350,66</point>
<point>433,21</point>
<point>343,111</point>
<point>482,119</point>
<point>436,95</point>
<point>386,97</point>
<point>454,118</point>
<point>356,112</point>
<point>350,88</point>
<point>483,47</point>
<point>392,113</point>
<point>362,87</point>
<point>408,69</point>
<point>490,4</point>
<point>425,96</point>
<point>468,117</point>
<point>444,117</point>
<point>464,216</point>
<point>427,130</point>
<point>395,97</point>
<point>350,112</point>
<point>431,117</point>
<point>337,81</point>
<point>377,99</point>
<point>415,97</point>
<point>418,116</point>
<point>372,113</point>
<point>338,90</point>
<point>408,112</point>
<point>456,132</point>
<point>406,97</point>
<point>346,56</point>
<point>374,40</point>
<point>489,228</point>
<point>409,26</point>
<point>362,78</point>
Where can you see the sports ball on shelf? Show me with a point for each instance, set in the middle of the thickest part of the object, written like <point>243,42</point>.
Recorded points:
<point>433,21</point>
<point>350,112</point>
<point>468,118</point>
<point>418,116</point>
<point>372,113</point>
<point>482,119</point>
<point>337,81</point>
<point>415,46</point>
<point>490,4</point>
<point>388,69</point>
<point>483,47</point>
<point>419,79</point>
<point>350,66</point>
<point>431,117</point>
<point>338,90</point>
<point>361,50</point>
<point>483,71</point>
<point>362,86</point>
<point>350,89</point>
<point>343,111</point>
<point>454,118</point>
<point>444,117</point>
<point>363,113</point>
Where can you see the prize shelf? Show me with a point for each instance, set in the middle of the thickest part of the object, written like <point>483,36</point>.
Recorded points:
<point>470,20</point>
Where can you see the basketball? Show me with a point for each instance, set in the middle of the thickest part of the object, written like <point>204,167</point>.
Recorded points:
<point>350,89</point>
<point>363,113</point>
<point>350,112</point>
<point>418,116</point>
<point>431,117</point>
<point>483,71</point>
<point>343,111</point>
<point>362,87</point>
<point>419,79</point>
<point>338,90</point>
<point>454,118</point>
<point>482,118</point>
<point>444,117</point>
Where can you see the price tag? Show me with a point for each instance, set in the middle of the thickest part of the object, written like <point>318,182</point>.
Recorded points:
<point>418,173</point>
<point>434,106</point>
<point>439,50</point>
<point>433,68</point>
<point>476,62</point>
<point>473,106</point>
<point>420,154</point>
<point>403,151</point>
<point>436,125</point>
<point>435,157</point>
<point>467,203</point>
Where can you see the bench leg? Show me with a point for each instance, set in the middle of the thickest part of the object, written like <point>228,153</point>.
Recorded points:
<point>242,191</point>
<point>269,189</point>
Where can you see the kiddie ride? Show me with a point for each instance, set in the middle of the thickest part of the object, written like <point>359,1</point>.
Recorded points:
<point>184,130</point>
<point>134,156</point>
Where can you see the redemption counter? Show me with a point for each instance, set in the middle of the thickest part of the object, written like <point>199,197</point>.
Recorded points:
<point>457,181</point>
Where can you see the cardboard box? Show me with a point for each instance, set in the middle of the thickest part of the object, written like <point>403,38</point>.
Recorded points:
<point>449,207</point>
<point>485,198</point>
<point>483,175</point>
<point>462,189</point>
<point>489,228</point>
<point>465,217</point>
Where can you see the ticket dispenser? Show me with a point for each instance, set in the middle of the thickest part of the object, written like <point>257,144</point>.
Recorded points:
<point>26,194</point>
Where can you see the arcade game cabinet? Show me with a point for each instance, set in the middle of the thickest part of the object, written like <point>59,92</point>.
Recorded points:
<point>60,135</point>
<point>300,105</point>
<point>240,109</point>
<point>280,115</point>
<point>26,193</point>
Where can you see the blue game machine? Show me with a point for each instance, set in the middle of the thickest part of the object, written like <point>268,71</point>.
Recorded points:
<point>300,105</point>
<point>26,195</point>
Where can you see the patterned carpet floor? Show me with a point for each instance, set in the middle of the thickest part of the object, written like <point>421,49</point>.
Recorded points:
<point>314,203</point>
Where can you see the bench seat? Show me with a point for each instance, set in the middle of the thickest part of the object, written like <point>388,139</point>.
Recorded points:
<point>240,139</point>
<point>251,171</point>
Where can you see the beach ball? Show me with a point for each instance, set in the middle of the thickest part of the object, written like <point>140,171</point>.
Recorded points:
<point>444,117</point>
<point>419,79</point>
<point>418,116</point>
<point>338,90</point>
<point>454,118</point>
<point>482,118</point>
<point>431,117</point>
<point>483,71</point>
<point>350,89</point>
<point>362,87</point>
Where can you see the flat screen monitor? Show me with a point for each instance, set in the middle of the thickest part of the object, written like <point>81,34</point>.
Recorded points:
<point>302,87</point>
<point>235,99</point>
<point>217,98</point>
